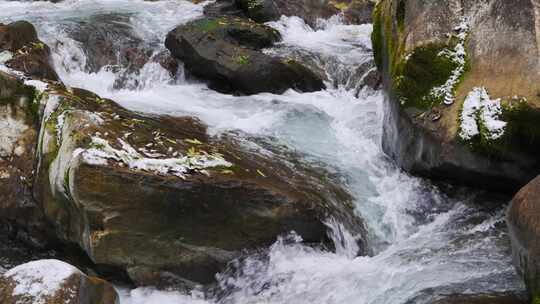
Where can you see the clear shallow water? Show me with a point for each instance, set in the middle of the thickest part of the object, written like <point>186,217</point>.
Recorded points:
<point>424,242</point>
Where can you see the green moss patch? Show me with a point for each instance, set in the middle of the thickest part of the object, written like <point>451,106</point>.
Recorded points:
<point>423,70</point>
<point>523,128</point>
<point>522,133</point>
<point>207,25</point>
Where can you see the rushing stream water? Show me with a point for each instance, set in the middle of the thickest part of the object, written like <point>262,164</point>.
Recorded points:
<point>425,243</point>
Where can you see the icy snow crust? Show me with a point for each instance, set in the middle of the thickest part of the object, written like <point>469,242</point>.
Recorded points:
<point>479,108</point>
<point>40,279</point>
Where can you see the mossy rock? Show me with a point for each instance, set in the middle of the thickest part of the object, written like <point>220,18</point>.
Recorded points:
<point>227,53</point>
<point>239,31</point>
<point>420,72</point>
<point>432,54</point>
<point>521,134</point>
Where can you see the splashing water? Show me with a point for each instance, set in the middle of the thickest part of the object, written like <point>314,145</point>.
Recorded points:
<point>425,244</point>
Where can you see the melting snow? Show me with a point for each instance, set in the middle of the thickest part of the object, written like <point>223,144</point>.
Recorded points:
<point>38,84</point>
<point>480,108</point>
<point>40,279</point>
<point>180,166</point>
<point>457,55</point>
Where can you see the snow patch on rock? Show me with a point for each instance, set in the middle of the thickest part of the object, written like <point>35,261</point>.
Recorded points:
<point>479,110</point>
<point>458,55</point>
<point>40,279</point>
<point>101,151</point>
<point>39,85</point>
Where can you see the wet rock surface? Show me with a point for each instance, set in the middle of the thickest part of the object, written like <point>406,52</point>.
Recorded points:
<point>226,51</point>
<point>25,52</point>
<point>110,40</point>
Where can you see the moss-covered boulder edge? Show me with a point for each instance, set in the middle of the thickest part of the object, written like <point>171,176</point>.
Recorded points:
<point>438,82</point>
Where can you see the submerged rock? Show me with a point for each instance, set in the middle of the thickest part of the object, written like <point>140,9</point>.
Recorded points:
<point>160,199</point>
<point>111,42</point>
<point>523,218</point>
<point>53,282</point>
<point>462,83</point>
<point>24,52</point>
<point>226,51</point>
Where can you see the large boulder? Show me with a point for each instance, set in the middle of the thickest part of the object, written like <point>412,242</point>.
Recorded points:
<point>226,51</point>
<point>523,220</point>
<point>163,201</point>
<point>53,282</point>
<point>24,52</point>
<point>462,79</point>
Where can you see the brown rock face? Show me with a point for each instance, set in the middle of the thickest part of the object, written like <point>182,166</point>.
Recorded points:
<point>162,200</point>
<point>53,282</point>
<point>19,128</point>
<point>495,47</point>
<point>29,54</point>
<point>524,222</point>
